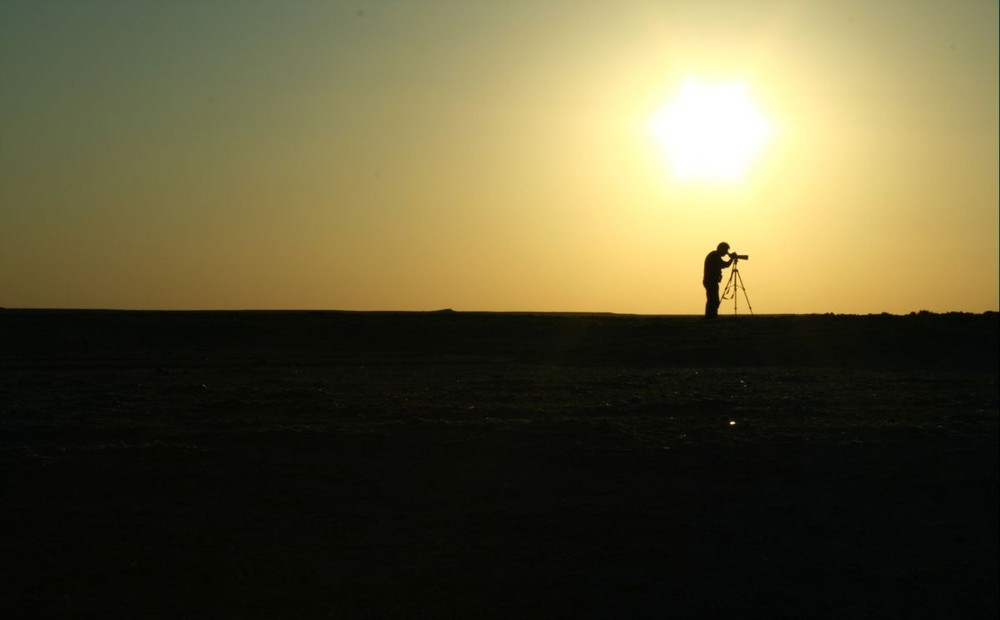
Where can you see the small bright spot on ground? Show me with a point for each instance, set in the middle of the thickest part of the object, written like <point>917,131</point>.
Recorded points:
<point>732,423</point>
<point>711,131</point>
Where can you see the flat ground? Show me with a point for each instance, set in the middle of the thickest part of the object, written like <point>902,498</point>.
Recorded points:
<point>279,464</point>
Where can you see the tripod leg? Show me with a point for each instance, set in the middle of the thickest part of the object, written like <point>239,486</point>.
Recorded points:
<point>745,294</point>
<point>736,291</point>
<point>734,286</point>
<point>729,285</point>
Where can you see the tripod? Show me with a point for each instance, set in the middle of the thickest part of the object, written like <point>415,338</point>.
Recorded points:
<point>735,284</point>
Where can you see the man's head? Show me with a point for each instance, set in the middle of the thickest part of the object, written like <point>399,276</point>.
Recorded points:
<point>723,247</point>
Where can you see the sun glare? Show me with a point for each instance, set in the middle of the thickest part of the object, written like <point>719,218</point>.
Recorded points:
<point>710,131</point>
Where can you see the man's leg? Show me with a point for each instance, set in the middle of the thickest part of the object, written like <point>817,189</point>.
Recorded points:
<point>712,300</point>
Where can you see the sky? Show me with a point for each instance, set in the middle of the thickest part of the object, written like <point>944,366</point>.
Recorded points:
<point>494,156</point>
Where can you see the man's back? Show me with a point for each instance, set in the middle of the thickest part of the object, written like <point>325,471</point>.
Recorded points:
<point>713,267</point>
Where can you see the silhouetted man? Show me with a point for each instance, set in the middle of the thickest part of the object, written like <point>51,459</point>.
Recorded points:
<point>715,262</point>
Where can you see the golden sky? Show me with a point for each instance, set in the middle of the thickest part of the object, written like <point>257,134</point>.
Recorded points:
<point>417,155</point>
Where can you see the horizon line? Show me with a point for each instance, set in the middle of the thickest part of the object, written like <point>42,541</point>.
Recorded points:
<point>447,311</point>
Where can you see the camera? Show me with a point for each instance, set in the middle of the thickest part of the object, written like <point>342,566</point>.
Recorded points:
<point>735,256</point>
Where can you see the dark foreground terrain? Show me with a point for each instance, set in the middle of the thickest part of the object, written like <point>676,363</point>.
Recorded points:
<point>343,465</point>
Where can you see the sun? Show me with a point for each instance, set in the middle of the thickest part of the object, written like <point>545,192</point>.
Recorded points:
<point>711,131</point>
